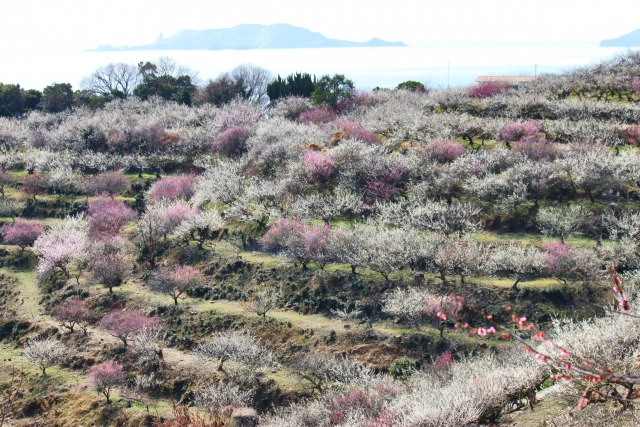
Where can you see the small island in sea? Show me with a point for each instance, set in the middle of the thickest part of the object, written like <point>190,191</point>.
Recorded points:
<point>247,36</point>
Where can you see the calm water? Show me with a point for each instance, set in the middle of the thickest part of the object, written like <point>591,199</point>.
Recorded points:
<point>368,67</point>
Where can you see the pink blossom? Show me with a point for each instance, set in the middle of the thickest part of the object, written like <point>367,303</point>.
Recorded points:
<point>482,332</point>
<point>443,151</point>
<point>487,89</point>
<point>110,182</point>
<point>23,233</point>
<point>516,131</point>
<point>317,116</point>
<point>276,238</point>
<point>565,354</point>
<point>384,184</point>
<point>107,216</point>
<point>124,323</point>
<point>319,166</point>
<point>175,281</point>
<point>105,376</point>
<point>353,130</point>
<point>491,330</point>
<point>173,187</point>
<point>231,142</point>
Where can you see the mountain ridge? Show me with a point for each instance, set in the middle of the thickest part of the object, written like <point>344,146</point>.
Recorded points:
<point>247,36</point>
<point>631,39</point>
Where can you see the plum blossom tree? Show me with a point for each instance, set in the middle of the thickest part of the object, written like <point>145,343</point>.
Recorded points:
<point>173,187</point>
<point>317,115</point>
<point>262,302</point>
<point>108,262</point>
<point>318,166</point>
<point>63,244</point>
<point>443,151</point>
<point>518,131</point>
<point>232,142</point>
<point>174,281</point>
<point>123,324</point>
<point>107,216</point>
<point>110,182</point>
<point>73,312</point>
<point>201,226</point>
<point>105,377</point>
<point>624,224</point>
<point>45,352</point>
<point>487,89</point>
<point>234,346</point>
<point>518,261</point>
<point>22,233</point>
<point>562,221</point>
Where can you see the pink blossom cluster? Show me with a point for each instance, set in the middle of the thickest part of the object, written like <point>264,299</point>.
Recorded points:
<point>124,323</point>
<point>353,130</point>
<point>110,182</point>
<point>487,89</point>
<point>631,134</point>
<point>107,216</point>
<point>516,131</point>
<point>105,376</point>
<point>384,185</point>
<point>318,166</point>
<point>173,187</point>
<point>443,151</point>
<point>232,142</point>
<point>23,233</point>
<point>317,115</point>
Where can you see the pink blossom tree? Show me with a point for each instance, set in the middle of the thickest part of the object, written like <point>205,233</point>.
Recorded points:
<point>105,377</point>
<point>317,115</point>
<point>384,185</point>
<point>631,134</point>
<point>487,89</point>
<point>6,178</point>
<point>174,187</point>
<point>107,216</point>
<point>33,185</point>
<point>443,151</point>
<point>317,242</point>
<point>23,233</point>
<point>108,263</point>
<point>537,149</point>
<point>110,182</point>
<point>122,324</point>
<point>318,166</point>
<point>518,131</point>
<point>354,130</point>
<point>175,281</point>
<point>232,142</point>
<point>73,312</point>
<point>278,236</point>
<point>636,85</point>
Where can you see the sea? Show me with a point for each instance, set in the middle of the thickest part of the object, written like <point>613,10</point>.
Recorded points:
<point>436,65</point>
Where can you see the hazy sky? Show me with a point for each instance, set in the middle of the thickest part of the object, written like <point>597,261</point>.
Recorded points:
<point>68,25</point>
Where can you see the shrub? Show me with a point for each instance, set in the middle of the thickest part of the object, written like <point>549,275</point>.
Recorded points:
<point>23,233</point>
<point>443,151</point>
<point>232,142</point>
<point>487,89</point>
<point>403,367</point>
<point>411,85</point>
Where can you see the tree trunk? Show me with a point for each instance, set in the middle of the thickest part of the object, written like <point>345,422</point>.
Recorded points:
<point>515,285</point>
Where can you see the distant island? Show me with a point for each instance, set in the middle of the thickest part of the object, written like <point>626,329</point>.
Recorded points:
<point>628,40</point>
<point>247,36</point>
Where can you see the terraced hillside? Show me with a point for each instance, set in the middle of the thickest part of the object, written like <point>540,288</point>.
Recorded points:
<point>369,263</point>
